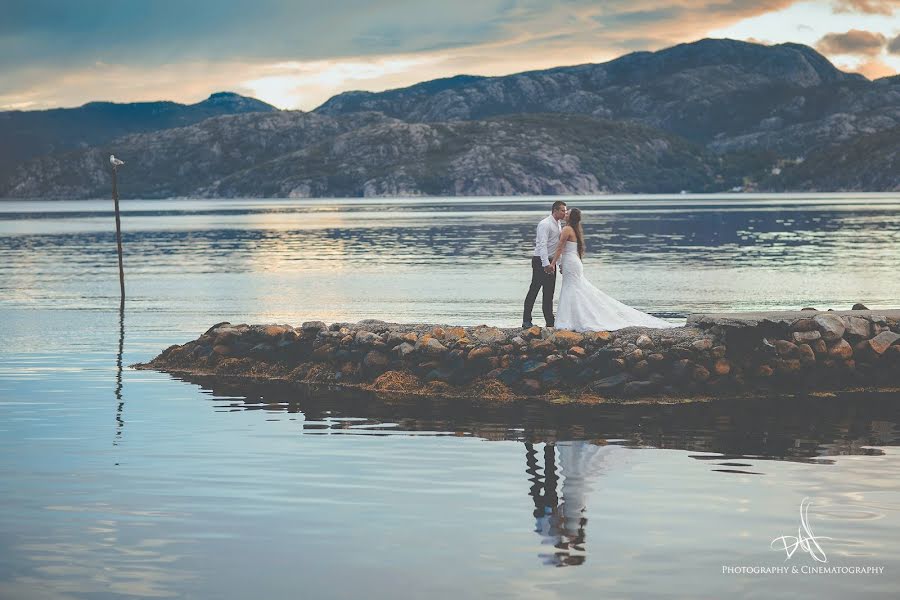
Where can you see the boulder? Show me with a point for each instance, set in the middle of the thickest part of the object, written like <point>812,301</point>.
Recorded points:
<point>786,349</point>
<point>433,347</point>
<point>643,341</point>
<point>702,345</point>
<point>881,342</point>
<point>366,338</point>
<point>487,335</point>
<point>830,326</point>
<point>481,352</point>
<point>722,367</point>
<point>857,327</point>
<point>804,325</point>
<point>802,337</point>
<point>565,338</point>
<point>312,326</point>
<point>859,306</point>
<point>840,350</point>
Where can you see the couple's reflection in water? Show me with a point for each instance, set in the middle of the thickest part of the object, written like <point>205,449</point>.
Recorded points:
<point>560,508</point>
<point>569,450</point>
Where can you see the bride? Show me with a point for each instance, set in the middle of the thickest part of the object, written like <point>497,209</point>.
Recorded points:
<point>582,307</point>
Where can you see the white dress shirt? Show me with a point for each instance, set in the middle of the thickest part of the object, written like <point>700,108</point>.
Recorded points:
<point>547,239</point>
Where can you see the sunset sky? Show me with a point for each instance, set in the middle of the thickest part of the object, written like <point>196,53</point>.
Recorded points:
<point>297,54</point>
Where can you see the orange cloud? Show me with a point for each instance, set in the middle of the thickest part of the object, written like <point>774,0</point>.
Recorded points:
<point>855,41</point>
<point>874,69</point>
<point>871,7</point>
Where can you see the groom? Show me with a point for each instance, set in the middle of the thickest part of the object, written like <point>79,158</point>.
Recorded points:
<point>543,274</point>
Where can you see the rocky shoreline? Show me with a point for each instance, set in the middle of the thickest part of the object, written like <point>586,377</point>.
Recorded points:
<point>715,355</point>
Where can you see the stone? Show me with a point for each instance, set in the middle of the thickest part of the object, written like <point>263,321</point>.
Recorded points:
<point>809,308</point>
<point>722,367</point>
<point>438,332</point>
<point>410,338</point>
<point>718,351</point>
<point>366,338</point>
<point>541,346</point>
<point>841,350</point>
<point>857,327</point>
<point>801,337</point>
<point>434,347</point>
<point>533,366</point>
<point>376,360</point>
<point>788,365</point>
<point>534,332</point>
<point>312,326</point>
<point>806,353</point>
<point>819,346</point>
<point>830,326</point>
<point>643,341</point>
<point>404,349</point>
<point>553,358</point>
<point>487,335</point>
<point>577,351</point>
<point>700,373</point>
<point>785,348</point>
<point>702,345</point>
<point>804,325</point>
<point>455,333</point>
<point>565,338</point>
<point>634,356</point>
<point>222,350</point>
<point>656,358</point>
<point>346,340</point>
<point>764,371</point>
<point>518,341</point>
<point>682,368</point>
<point>600,337</point>
<point>276,330</point>
<point>481,352</point>
<point>859,306</point>
<point>680,352</point>
<point>880,343</point>
<point>618,364</point>
<point>641,367</point>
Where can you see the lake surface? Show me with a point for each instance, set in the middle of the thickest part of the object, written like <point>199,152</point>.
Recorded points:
<point>117,483</point>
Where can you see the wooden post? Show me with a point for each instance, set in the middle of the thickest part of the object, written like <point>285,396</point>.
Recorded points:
<point>115,193</point>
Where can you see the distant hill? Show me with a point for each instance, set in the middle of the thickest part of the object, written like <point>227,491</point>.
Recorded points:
<point>27,134</point>
<point>707,116</point>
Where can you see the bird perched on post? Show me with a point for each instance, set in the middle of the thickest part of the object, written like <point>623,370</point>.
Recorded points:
<point>115,162</point>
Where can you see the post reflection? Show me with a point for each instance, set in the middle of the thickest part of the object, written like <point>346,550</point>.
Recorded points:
<point>120,406</point>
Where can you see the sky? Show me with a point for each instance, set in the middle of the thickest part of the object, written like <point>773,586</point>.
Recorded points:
<point>297,54</point>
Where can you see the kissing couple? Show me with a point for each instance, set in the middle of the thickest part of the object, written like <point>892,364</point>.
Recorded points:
<point>582,307</point>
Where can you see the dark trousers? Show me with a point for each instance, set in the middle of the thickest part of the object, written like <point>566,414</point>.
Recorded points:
<point>540,281</point>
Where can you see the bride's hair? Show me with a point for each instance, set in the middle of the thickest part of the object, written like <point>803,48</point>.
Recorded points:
<point>575,223</point>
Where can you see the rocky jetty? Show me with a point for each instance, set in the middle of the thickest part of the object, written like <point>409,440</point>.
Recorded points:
<point>725,355</point>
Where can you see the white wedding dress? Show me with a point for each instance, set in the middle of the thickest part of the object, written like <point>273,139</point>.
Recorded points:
<point>582,307</point>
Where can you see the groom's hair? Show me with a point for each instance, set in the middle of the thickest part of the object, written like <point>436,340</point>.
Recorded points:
<point>558,204</point>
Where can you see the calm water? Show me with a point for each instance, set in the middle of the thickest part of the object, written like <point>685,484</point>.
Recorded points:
<point>118,483</point>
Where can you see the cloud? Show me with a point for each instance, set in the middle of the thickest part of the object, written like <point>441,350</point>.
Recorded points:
<point>871,7</point>
<point>873,69</point>
<point>894,45</point>
<point>297,54</point>
<point>855,41</point>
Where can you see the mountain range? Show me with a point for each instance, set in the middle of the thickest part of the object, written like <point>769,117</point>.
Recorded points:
<point>712,115</point>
